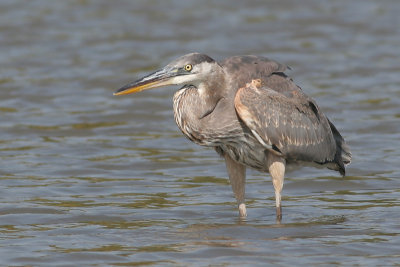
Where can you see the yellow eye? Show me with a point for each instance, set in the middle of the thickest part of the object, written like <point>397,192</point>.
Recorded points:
<point>188,67</point>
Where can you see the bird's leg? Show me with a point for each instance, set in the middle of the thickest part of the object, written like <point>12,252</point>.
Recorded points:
<point>276,166</point>
<point>237,177</point>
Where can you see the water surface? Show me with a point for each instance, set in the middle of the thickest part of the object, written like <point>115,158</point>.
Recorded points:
<point>92,179</point>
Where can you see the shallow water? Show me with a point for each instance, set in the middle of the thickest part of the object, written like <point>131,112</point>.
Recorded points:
<point>92,179</point>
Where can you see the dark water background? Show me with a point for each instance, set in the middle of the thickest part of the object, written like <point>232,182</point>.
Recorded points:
<point>87,178</point>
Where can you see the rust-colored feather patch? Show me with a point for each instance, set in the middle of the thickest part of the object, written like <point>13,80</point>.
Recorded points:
<point>242,109</point>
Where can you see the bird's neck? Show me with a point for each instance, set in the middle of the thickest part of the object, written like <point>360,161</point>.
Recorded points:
<point>213,87</point>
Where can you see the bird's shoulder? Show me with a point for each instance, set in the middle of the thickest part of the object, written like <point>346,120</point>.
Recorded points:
<point>259,96</point>
<point>251,64</point>
<point>241,70</point>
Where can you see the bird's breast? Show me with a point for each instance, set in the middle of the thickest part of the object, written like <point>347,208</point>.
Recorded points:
<point>219,128</point>
<point>204,120</point>
<point>186,111</point>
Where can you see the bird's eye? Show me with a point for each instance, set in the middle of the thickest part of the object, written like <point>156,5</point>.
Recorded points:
<point>188,67</point>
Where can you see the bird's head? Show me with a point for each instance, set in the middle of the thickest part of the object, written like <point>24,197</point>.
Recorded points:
<point>190,69</point>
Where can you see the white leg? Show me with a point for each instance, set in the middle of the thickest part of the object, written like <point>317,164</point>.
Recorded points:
<point>237,177</point>
<point>276,167</point>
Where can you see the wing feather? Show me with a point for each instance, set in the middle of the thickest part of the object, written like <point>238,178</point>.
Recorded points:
<point>290,126</point>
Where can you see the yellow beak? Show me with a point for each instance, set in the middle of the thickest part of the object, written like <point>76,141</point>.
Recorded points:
<point>159,78</point>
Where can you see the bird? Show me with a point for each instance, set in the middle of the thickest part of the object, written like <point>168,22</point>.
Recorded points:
<point>252,113</point>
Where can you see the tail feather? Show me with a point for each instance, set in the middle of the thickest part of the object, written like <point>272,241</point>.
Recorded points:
<point>343,154</point>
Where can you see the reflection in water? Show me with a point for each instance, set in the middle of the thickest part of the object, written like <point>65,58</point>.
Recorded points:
<point>88,179</point>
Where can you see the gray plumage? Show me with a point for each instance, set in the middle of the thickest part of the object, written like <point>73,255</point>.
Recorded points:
<point>252,113</point>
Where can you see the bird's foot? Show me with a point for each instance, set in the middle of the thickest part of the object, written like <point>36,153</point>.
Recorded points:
<point>242,210</point>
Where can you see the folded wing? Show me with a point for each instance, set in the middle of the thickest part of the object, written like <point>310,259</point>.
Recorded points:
<point>291,127</point>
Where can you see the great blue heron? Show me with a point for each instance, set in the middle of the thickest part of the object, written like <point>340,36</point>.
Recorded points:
<point>252,113</point>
